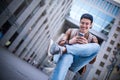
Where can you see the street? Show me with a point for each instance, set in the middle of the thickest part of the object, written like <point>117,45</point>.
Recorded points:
<point>13,68</point>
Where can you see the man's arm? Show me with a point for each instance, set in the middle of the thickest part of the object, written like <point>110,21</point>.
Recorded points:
<point>94,40</point>
<point>65,38</point>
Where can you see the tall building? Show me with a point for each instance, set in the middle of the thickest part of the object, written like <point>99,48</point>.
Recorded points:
<point>26,26</point>
<point>106,27</point>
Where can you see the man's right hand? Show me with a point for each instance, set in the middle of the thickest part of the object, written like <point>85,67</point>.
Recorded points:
<point>74,40</point>
<point>78,39</point>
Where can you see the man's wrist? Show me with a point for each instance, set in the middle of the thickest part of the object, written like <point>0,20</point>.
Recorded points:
<point>67,42</point>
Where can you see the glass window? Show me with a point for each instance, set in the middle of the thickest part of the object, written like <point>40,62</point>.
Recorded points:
<point>98,72</point>
<point>102,21</point>
<point>119,23</point>
<point>94,78</point>
<point>72,14</point>
<point>88,8</point>
<point>107,28</point>
<point>105,3</point>
<point>102,15</point>
<point>105,32</point>
<point>22,7</point>
<point>109,18</point>
<point>105,56</point>
<point>108,49</point>
<point>105,24</point>
<point>97,2</point>
<point>94,11</point>
<point>116,10</point>
<point>99,21</point>
<point>118,29</point>
<point>79,3</point>
<point>107,6</point>
<point>4,4</point>
<point>102,64</point>
<point>84,11</point>
<point>118,45</point>
<point>13,38</point>
<point>115,35</point>
<point>6,26</point>
<point>112,42</point>
<point>97,27</point>
<point>110,6</point>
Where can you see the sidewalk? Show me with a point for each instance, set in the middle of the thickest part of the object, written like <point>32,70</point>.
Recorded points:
<point>13,68</point>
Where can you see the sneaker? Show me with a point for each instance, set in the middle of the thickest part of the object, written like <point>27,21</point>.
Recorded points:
<point>53,48</point>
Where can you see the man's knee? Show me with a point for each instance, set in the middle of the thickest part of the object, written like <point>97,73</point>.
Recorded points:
<point>93,49</point>
<point>67,58</point>
<point>97,46</point>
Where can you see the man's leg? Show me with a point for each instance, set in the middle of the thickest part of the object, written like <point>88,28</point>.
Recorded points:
<point>56,58</point>
<point>79,62</point>
<point>62,67</point>
<point>83,50</point>
<point>83,54</point>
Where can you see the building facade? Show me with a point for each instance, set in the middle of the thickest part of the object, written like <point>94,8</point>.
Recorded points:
<point>26,26</point>
<point>106,27</point>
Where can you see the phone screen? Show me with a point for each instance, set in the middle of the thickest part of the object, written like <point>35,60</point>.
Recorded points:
<point>81,34</point>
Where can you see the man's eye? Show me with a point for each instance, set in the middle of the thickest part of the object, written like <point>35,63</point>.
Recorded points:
<point>87,23</point>
<point>82,22</point>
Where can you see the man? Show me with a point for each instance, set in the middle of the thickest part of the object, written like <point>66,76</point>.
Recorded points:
<point>76,49</point>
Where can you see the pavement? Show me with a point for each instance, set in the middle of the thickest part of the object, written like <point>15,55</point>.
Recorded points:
<point>14,68</point>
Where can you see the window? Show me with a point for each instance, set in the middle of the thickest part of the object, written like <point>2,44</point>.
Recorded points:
<point>44,13</point>
<point>45,21</point>
<point>115,35</point>
<point>105,56</point>
<point>112,42</point>
<point>103,22</point>
<point>94,78</point>
<point>4,4</point>
<point>98,72</point>
<point>42,3</point>
<point>118,45</point>
<point>6,26</point>
<point>118,29</point>
<point>108,49</point>
<point>102,64</point>
<point>13,37</point>
<point>119,23</point>
<point>22,7</point>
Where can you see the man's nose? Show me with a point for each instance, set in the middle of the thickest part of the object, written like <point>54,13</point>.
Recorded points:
<point>84,24</point>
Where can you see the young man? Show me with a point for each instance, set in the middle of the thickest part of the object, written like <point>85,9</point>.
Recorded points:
<point>76,49</point>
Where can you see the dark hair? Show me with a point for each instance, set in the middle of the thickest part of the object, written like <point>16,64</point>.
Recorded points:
<point>87,16</point>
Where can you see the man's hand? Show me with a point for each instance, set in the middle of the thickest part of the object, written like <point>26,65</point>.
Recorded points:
<point>62,42</point>
<point>82,40</point>
<point>78,39</point>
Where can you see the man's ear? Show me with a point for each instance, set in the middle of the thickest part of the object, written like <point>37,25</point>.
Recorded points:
<point>91,25</point>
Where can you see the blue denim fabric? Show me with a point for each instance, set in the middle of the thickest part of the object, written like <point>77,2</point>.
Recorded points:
<point>77,56</point>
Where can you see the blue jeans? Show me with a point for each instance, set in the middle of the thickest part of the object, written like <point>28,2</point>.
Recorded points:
<point>77,56</point>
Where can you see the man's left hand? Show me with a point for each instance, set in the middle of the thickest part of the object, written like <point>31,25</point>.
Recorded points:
<point>82,40</point>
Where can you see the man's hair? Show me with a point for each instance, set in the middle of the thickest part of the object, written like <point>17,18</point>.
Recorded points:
<point>87,16</point>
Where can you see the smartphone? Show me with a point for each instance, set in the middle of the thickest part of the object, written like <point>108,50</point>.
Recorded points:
<point>81,34</point>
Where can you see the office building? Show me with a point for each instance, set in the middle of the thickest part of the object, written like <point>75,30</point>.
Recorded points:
<point>28,25</point>
<point>106,27</point>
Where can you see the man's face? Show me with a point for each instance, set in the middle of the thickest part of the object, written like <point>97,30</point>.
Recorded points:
<point>85,25</point>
